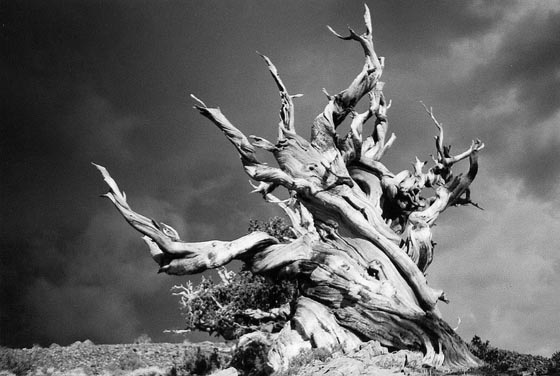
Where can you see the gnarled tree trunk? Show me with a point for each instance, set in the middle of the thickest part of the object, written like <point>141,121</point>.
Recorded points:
<point>369,284</point>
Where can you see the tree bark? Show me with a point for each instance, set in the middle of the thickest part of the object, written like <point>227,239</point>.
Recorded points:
<point>368,284</point>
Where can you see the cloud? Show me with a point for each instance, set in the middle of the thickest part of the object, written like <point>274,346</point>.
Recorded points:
<point>103,132</point>
<point>500,269</point>
<point>64,313</point>
<point>527,59</point>
<point>500,85</point>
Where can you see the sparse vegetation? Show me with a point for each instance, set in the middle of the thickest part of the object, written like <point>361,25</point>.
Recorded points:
<point>275,226</point>
<point>224,308</point>
<point>252,360</point>
<point>143,338</point>
<point>130,361</point>
<point>309,356</point>
<point>511,362</point>
<point>200,362</point>
<point>15,361</point>
<point>554,367</point>
<point>241,302</point>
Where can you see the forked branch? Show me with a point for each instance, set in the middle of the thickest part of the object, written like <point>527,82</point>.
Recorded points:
<point>443,152</point>
<point>343,103</point>
<point>258,171</point>
<point>175,256</point>
<point>287,109</point>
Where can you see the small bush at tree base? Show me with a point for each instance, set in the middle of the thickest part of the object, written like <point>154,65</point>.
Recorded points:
<point>221,308</point>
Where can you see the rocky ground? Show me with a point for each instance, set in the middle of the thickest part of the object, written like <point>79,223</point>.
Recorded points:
<point>86,358</point>
<point>178,359</point>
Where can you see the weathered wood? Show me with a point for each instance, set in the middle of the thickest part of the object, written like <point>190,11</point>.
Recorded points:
<point>369,283</point>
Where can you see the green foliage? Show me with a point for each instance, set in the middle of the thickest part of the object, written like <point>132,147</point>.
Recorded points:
<point>16,361</point>
<point>222,308</point>
<point>501,361</point>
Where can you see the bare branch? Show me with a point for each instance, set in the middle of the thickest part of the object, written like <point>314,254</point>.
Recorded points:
<point>287,109</point>
<point>443,156</point>
<point>246,150</point>
<point>234,135</point>
<point>439,138</point>
<point>263,143</point>
<point>174,255</point>
<point>340,105</point>
<point>300,217</point>
<point>365,40</point>
<point>459,185</point>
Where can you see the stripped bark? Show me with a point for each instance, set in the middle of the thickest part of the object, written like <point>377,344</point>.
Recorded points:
<point>369,284</point>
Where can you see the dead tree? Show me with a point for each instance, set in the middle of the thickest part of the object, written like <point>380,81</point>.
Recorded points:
<point>368,284</point>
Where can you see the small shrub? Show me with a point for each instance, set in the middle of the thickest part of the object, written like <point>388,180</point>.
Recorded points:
<point>17,362</point>
<point>143,338</point>
<point>554,367</point>
<point>200,363</point>
<point>501,361</point>
<point>309,356</point>
<point>275,226</point>
<point>221,308</point>
<point>252,360</point>
<point>130,361</point>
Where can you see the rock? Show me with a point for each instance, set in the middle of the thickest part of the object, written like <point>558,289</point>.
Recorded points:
<point>72,372</point>
<point>149,371</point>
<point>289,344</point>
<point>398,360</point>
<point>371,349</point>
<point>226,372</point>
<point>342,366</point>
<point>371,360</point>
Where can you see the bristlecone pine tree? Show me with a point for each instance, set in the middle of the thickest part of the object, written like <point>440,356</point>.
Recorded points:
<point>369,284</point>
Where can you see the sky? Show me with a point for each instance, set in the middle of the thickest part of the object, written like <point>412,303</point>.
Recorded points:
<point>109,82</point>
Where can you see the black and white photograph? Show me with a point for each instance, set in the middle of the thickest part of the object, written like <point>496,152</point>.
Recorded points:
<point>287,188</point>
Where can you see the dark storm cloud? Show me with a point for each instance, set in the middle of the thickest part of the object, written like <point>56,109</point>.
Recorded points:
<point>500,83</point>
<point>527,62</point>
<point>506,258</point>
